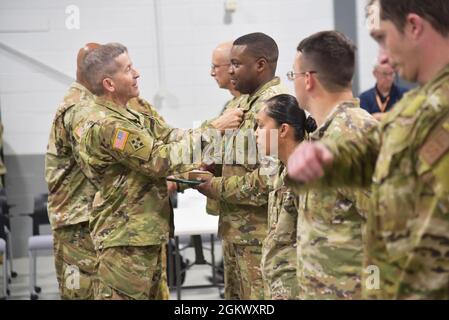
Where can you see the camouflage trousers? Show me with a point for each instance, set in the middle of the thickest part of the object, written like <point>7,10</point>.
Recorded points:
<point>132,273</point>
<point>279,271</point>
<point>242,271</point>
<point>75,261</point>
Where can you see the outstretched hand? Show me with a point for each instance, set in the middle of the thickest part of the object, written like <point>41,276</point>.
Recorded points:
<point>308,161</point>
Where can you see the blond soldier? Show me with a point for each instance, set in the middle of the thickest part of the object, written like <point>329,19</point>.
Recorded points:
<point>406,161</point>
<point>242,227</point>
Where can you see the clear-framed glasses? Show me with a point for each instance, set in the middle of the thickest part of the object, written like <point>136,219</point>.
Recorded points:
<point>291,75</point>
<point>216,66</point>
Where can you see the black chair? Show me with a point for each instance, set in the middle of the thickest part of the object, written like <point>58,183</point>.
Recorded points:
<point>4,211</point>
<point>38,242</point>
<point>3,253</point>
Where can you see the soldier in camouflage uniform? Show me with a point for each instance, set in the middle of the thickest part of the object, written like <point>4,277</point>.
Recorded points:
<point>70,197</point>
<point>69,207</point>
<point>243,227</point>
<point>70,192</point>
<point>122,156</point>
<point>330,222</point>
<point>219,71</point>
<point>406,160</point>
<point>283,115</point>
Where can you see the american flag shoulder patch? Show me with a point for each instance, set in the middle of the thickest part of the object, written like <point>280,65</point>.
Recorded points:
<point>79,131</point>
<point>120,138</point>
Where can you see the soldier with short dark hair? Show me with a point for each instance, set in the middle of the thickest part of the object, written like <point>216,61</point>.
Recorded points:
<point>330,222</point>
<point>243,227</point>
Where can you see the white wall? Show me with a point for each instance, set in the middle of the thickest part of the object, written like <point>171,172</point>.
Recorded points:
<point>29,94</point>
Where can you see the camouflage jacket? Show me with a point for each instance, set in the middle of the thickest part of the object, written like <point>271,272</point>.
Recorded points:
<point>69,192</point>
<point>407,161</point>
<point>213,206</point>
<point>233,227</point>
<point>279,247</point>
<point>329,229</point>
<point>121,156</point>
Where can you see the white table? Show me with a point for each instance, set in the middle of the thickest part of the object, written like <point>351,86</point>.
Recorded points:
<point>191,216</point>
<point>191,219</point>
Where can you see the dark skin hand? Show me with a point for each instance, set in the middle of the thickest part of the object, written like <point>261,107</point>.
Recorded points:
<point>205,188</point>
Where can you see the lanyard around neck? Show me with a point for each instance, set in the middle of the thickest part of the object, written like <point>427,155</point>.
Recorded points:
<point>382,105</point>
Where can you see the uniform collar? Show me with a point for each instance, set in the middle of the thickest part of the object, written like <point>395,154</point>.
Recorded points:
<point>124,112</point>
<point>411,105</point>
<point>442,76</point>
<point>252,98</point>
<point>78,86</point>
<point>338,109</point>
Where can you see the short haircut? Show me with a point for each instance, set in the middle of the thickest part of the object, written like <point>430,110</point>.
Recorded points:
<point>436,12</point>
<point>332,56</point>
<point>284,108</point>
<point>260,45</point>
<point>100,64</point>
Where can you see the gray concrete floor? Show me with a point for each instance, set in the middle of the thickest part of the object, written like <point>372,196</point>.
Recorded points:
<point>46,278</point>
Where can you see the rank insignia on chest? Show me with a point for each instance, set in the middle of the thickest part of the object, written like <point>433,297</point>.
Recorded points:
<point>120,138</point>
<point>136,143</point>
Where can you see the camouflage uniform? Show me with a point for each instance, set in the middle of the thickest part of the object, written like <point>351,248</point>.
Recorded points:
<point>122,158</point>
<point>329,228</point>
<point>278,260</point>
<point>407,161</point>
<point>69,200</point>
<point>160,129</point>
<point>243,227</point>
<point>213,206</point>
<point>279,247</point>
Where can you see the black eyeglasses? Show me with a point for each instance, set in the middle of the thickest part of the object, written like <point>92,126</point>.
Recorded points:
<point>291,75</point>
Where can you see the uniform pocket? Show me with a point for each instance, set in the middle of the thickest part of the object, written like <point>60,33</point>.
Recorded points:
<point>285,231</point>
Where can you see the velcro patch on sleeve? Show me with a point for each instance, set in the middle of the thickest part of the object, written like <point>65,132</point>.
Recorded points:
<point>136,143</point>
<point>79,131</point>
<point>120,139</point>
<point>139,146</point>
<point>436,146</point>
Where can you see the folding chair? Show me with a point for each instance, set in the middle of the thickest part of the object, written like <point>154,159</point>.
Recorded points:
<point>38,243</point>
